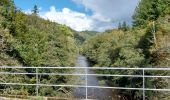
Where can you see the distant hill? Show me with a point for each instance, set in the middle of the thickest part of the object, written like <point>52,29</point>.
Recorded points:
<point>84,35</point>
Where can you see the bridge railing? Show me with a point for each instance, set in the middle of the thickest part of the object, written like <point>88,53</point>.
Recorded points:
<point>38,84</point>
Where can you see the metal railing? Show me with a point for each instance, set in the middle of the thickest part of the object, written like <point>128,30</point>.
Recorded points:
<point>37,73</point>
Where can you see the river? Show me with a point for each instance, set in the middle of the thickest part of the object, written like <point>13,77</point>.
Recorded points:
<point>93,93</point>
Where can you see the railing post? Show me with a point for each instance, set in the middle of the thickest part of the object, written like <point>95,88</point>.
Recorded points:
<point>143,84</point>
<point>86,84</point>
<point>37,87</point>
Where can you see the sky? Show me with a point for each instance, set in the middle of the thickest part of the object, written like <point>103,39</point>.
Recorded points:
<point>81,15</point>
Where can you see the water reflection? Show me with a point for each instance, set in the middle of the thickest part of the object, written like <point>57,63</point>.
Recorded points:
<point>93,93</point>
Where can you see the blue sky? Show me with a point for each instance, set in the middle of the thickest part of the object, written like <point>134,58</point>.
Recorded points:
<point>96,15</point>
<point>46,4</point>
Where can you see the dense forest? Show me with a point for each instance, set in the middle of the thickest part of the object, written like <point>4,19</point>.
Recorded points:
<point>145,44</point>
<point>28,40</point>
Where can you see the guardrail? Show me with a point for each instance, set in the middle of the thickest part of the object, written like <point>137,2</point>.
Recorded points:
<point>37,84</point>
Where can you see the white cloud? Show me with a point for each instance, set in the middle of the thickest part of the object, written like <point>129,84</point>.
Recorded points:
<point>76,20</point>
<point>28,11</point>
<point>113,10</point>
<point>110,11</point>
<point>106,14</point>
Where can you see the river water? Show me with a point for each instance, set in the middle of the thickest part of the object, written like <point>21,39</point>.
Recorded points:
<point>93,93</point>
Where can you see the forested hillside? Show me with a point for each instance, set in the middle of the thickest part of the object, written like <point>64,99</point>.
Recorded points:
<point>146,44</point>
<point>28,40</point>
<point>81,37</point>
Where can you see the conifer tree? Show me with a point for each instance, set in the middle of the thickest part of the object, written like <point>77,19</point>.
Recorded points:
<point>35,10</point>
<point>124,26</point>
<point>150,10</point>
<point>120,26</point>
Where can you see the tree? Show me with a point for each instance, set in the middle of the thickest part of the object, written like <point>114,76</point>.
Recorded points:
<point>33,41</point>
<point>4,2</point>
<point>124,26</point>
<point>8,11</point>
<point>67,33</point>
<point>150,10</point>
<point>153,11</point>
<point>167,10</point>
<point>35,10</point>
<point>120,26</point>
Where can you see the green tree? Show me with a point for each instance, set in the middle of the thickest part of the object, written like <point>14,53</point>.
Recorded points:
<point>8,10</point>
<point>34,42</point>
<point>67,33</point>
<point>150,10</point>
<point>4,2</point>
<point>153,11</point>
<point>35,10</point>
<point>124,26</point>
<point>119,26</point>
